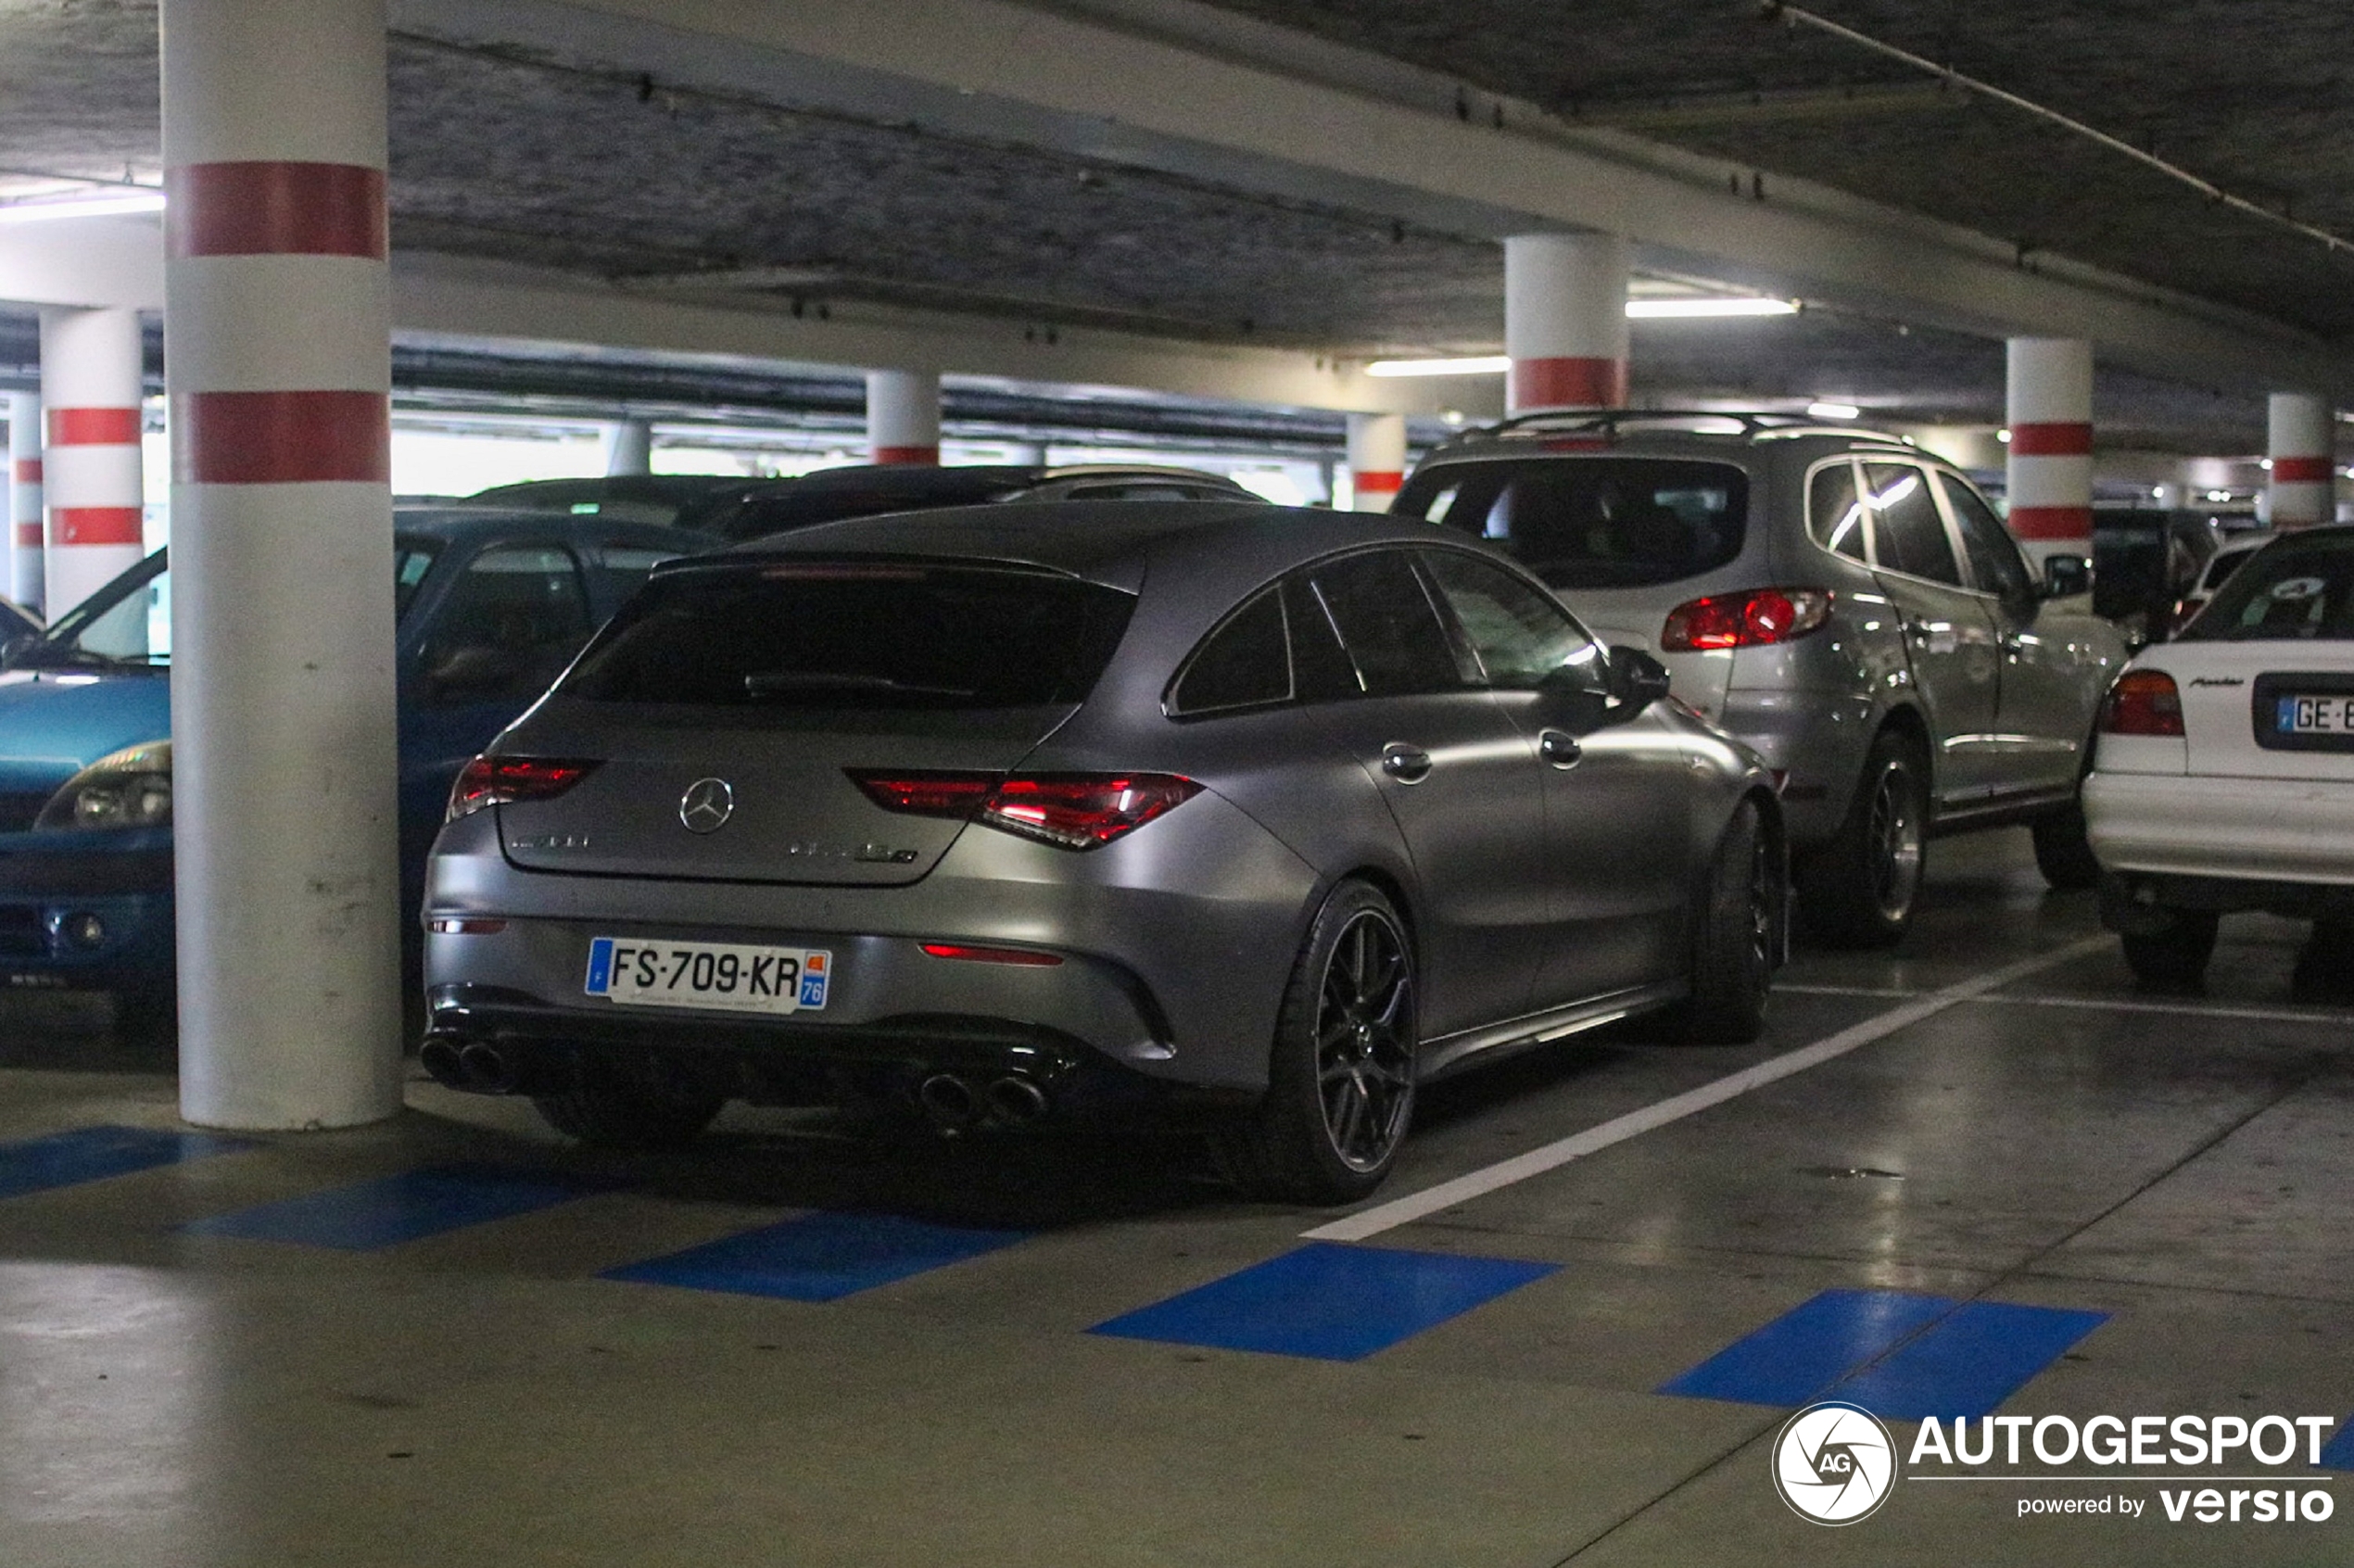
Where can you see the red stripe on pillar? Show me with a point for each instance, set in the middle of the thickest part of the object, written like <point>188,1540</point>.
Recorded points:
<point>96,525</point>
<point>1569,383</point>
<point>2051,522</point>
<point>2301,471</point>
<point>908,454</point>
<point>28,536</point>
<point>276,209</point>
<point>93,427</point>
<point>28,471</point>
<point>1377,481</point>
<point>281,437</point>
<point>2052,440</point>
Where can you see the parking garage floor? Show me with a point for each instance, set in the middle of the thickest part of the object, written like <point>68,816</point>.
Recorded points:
<point>2006,1182</point>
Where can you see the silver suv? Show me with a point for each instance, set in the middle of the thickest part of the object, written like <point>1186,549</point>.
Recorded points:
<point>1842,601</point>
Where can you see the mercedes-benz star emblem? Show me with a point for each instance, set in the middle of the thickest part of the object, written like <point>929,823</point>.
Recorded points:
<point>706,806</point>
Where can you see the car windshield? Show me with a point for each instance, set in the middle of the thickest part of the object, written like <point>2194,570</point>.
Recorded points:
<point>127,624</point>
<point>1592,522</point>
<point>2297,589</point>
<point>855,635</point>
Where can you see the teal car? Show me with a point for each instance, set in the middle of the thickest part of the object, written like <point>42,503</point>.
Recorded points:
<point>491,607</point>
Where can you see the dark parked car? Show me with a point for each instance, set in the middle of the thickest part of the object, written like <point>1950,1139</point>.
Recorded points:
<point>655,498</point>
<point>833,495</point>
<point>1006,807</point>
<point>492,605</point>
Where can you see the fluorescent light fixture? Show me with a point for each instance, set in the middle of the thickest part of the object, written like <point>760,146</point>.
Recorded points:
<point>1709,305</point>
<point>109,205</point>
<point>1493,364</point>
<point>1833,410</point>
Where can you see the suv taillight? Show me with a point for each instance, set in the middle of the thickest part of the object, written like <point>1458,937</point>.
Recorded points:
<point>1744,620</point>
<point>2143,702</point>
<point>489,781</point>
<point>1075,811</point>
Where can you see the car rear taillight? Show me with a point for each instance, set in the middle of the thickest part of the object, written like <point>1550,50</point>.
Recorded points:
<point>2143,702</point>
<point>1077,810</point>
<point>489,781</point>
<point>1744,620</point>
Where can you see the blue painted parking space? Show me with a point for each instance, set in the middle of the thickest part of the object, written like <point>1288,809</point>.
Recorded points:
<point>1966,1363</point>
<point>1900,1355</point>
<point>93,1154</point>
<point>394,1209</point>
<point>818,1257</point>
<point>1327,1301</point>
<point>2338,1453</point>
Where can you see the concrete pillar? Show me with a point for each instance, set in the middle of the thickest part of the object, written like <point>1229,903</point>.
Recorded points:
<point>2301,444</point>
<point>278,330</point>
<point>1566,321</point>
<point>629,447</point>
<point>2050,467</point>
<point>1376,459</point>
<point>92,366</point>
<point>27,585</point>
<point>902,416</point>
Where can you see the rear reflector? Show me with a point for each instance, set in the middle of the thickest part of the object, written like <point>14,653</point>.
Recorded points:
<point>993,955</point>
<point>466,927</point>
<point>1076,811</point>
<point>1744,620</point>
<point>488,781</point>
<point>2143,702</point>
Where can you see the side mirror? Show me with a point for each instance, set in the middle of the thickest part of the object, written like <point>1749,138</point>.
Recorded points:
<point>1565,698</point>
<point>1637,679</point>
<point>2065,577</point>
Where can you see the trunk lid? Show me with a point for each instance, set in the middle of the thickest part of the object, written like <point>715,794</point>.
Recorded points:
<point>2231,698</point>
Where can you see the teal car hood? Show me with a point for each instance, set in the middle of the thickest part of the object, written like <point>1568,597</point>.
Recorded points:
<point>54,723</point>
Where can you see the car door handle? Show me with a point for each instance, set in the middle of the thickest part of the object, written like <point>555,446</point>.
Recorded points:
<point>1559,750</point>
<point>1408,765</point>
<point>2015,643</point>
<point>1936,636</point>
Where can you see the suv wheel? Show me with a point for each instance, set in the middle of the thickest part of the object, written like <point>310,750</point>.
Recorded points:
<point>1340,1090</point>
<point>630,1102</point>
<point>1858,890</point>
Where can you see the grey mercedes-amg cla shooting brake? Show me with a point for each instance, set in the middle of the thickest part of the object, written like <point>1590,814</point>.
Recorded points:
<point>1015,808</point>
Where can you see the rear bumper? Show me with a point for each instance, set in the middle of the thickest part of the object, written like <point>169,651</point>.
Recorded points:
<point>1814,742</point>
<point>2256,831</point>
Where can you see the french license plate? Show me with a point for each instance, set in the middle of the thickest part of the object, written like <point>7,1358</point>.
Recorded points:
<point>2331,715</point>
<point>645,973</point>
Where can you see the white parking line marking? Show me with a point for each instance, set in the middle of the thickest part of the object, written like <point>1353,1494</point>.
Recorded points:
<point>2102,1004</point>
<point>1536,1162</point>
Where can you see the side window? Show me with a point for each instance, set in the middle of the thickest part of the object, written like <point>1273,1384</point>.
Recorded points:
<point>1520,634</point>
<point>1911,536</point>
<point>1993,559</point>
<point>627,566</point>
<point>1245,664</point>
<point>1387,624</point>
<point>513,619</point>
<point>1835,514</point>
<point>1320,668</point>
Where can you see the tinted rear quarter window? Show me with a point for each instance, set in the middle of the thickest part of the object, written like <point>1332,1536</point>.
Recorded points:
<point>1593,522</point>
<point>856,635</point>
<point>1243,663</point>
<point>1835,514</point>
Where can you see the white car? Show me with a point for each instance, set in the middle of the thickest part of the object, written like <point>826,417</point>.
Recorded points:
<point>2223,777</point>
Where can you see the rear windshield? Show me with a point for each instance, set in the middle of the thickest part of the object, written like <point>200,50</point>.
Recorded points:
<point>2296,590</point>
<point>855,635</point>
<point>1592,522</point>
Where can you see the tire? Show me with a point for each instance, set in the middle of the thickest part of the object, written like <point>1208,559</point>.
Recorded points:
<point>1732,940</point>
<point>630,1102</point>
<point>1859,890</point>
<point>1340,1090</point>
<point>2173,958</point>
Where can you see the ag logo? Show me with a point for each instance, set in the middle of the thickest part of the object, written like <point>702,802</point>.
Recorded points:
<point>1834,1463</point>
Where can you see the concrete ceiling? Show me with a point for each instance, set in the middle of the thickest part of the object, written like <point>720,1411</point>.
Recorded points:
<point>584,165</point>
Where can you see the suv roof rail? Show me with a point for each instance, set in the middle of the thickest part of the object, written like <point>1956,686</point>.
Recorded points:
<point>1608,423</point>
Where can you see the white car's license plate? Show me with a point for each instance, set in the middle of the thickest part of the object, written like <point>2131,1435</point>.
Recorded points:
<point>2333,714</point>
<point>650,973</point>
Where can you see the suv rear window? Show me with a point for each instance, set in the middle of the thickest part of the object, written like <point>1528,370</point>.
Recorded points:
<point>1592,522</point>
<point>855,635</point>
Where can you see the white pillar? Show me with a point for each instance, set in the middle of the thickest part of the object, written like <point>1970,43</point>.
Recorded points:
<point>902,416</point>
<point>27,585</point>
<point>1566,321</point>
<point>2304,480</point>
<point>278,355</point>
<point>1376,459</point>
<point>2049,399</point>
<point>91,367</point>
<point>629,447</point>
